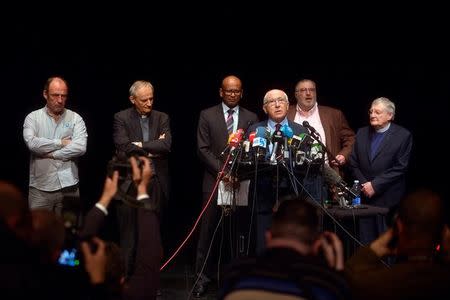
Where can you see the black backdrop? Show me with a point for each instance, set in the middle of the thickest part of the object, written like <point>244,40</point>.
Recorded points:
<point>186,60</point>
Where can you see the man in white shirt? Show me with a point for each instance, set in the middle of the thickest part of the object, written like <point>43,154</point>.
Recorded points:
<point>56,137</point>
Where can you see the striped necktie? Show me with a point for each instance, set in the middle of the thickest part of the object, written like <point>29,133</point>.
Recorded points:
<point>230,121</point>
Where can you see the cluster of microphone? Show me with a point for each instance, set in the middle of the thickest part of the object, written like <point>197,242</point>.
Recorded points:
<point>282,145</point>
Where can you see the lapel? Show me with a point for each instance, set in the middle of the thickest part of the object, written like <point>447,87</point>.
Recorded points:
<point>135,124</point>
<point>326,126</point>
<point>221,122</point>
<point>241,119</point>
<point>291,112</point>
<point>152,134</point>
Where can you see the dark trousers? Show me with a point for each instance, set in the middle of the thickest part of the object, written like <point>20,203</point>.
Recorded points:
<point>208,224</point>
<point>126,221</point>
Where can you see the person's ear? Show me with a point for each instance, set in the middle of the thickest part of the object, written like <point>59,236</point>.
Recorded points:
<point>264,109</point>
<point>132,99</point>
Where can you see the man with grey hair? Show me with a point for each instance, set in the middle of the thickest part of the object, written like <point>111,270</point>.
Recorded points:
<point>269,187</point>
<point>140,130</point>
<point>379,160</point>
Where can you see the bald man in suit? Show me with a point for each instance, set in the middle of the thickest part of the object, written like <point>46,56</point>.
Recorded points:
<point>212,138</point>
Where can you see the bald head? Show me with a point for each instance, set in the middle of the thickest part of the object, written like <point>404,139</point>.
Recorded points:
<point>422,213</point>
<point>231,91</point>
<point>231,80</point>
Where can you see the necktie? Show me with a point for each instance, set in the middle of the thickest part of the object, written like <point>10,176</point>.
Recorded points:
<point>230,121</point>
<point>277,127</point>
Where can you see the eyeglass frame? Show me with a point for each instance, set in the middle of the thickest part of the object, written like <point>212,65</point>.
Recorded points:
<point>274,101</point>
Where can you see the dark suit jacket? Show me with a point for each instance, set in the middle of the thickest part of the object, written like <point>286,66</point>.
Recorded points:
<point>212,139</point>
<point>338,134</point>
<point>265,187</point>
<point>411,279</point>
<point>127,129</point>
<point>145,281</point>
<point>283,272</point>
<point>387,169</point>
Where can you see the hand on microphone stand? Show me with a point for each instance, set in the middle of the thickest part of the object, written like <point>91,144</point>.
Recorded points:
<point>339,160</point>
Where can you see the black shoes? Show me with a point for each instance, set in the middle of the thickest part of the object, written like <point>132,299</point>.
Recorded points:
<point>158,293</point>
<point>200,289</point>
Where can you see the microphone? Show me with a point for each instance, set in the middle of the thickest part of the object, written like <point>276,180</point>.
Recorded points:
<point>249,123</point>
<point>331,177</point>
<point>297,140</point>
<point>316,152</point>
<point>277,138</point>
<point>231,136</point>
<point>288,133</point>
<point>311,129</point>
<point>251,136</point>
<point>233,141</point>
<point>236,139</point>
<point>260,142</point>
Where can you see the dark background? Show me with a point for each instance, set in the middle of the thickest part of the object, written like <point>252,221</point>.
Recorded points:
<point>185,52</point>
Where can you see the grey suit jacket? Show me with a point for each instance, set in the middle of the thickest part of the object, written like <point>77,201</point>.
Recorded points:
<point>212,139</point>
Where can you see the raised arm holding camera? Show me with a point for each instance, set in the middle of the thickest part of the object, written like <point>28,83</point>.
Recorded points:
<point>144,281</point>
<point>417,274</point>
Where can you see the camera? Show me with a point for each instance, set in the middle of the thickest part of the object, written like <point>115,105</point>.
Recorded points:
<point>69,257</point>
<point>123,166</point>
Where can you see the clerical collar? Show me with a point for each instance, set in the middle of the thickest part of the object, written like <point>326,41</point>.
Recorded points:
<point>384,129</point>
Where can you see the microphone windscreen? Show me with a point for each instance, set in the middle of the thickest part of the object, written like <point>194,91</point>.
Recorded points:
<point>259,142</point>
<point>287,131</point>
<point>330,176</point>
<point>251,136</point>
<point>231,136</point>
<point>261,132</point>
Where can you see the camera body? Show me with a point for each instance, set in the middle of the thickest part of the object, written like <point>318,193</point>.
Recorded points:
<point>123,166</point>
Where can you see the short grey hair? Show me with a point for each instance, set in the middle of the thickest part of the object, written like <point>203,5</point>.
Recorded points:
<point>388,104</point>
<point>139,84</point>
<point>266,96</point>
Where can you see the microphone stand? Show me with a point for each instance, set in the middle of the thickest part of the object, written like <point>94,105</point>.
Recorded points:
<point>330,155</point>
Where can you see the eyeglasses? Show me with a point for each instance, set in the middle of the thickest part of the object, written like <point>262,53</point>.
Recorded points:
<point>230,92</point>
<point>274,102</point>
<point>304,90</point>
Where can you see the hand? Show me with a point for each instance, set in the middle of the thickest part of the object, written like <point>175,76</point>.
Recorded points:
<point>109,189</point>
<point>66,141</point>
<point>95,263</point>
<point>162,136</point>
<point>332,249</point>
<point>139,144</point>
<point>339,160</point>
<point>367,189</point>
<point>141,178</point>
<point>381,245</point>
